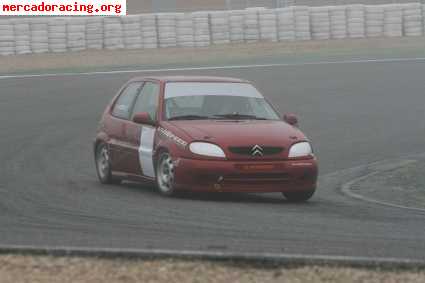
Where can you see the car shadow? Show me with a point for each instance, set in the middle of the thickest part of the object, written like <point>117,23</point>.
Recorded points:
<point>269,198</point>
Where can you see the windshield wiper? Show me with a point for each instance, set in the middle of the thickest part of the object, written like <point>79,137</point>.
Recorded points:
<point>189,117</point>
<point>238,116</point>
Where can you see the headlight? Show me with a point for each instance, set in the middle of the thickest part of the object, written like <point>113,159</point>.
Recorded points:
<point>300,150</point>
<point>206,149</point>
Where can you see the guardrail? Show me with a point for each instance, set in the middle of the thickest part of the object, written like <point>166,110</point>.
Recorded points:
<point>200,29</point>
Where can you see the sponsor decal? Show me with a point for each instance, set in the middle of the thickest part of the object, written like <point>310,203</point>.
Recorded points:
<point>302,164</point>
<point>259,167</point>
<point>172,137</point>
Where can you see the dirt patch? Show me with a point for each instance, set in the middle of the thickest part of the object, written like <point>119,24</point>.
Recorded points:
<point>15,269</point>
<point>219,54</point>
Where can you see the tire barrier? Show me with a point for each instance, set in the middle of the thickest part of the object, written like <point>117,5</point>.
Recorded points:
<point>149,31</point>
<point>219,26</point>
<point>94,33</point>
<point>412,19</point>
<point>320,23</point>
<point>22,37</point>
<point>201,29</point>
<point>113,33</point>
<point>302,23</point>
<point>267,20</point>
<point>393,21</point>
<point>236,26</point>
<point>251,25</point>
<point>355,21</point>
<point>132,32</point>
<point>39,35</point>
<point>76,34</point>
<point>374,21</point>
<point>184,30</point>
<point>58,35</point>
<point>167,33</point>
<point>338,22</point>
<point>285,24</point>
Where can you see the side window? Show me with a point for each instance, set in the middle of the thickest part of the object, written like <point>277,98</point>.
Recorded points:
<point>148,100</point>
<point>124,103</point>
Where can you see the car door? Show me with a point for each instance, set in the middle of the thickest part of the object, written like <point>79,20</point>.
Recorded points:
<point>118,124</point>
<point>141,137</point>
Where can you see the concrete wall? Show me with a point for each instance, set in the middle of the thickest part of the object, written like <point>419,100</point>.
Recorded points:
<point>199,29</point>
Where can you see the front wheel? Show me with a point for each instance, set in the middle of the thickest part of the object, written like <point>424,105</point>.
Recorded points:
<point>165,174</point>
<point>299,196</point>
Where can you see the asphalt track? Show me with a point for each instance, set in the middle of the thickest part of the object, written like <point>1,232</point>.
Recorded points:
<point>355,113</point>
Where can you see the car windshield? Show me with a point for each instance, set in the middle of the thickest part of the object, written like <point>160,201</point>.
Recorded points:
<point>198,101</point>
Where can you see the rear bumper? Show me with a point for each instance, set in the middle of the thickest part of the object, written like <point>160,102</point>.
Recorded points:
<point>244,176</point>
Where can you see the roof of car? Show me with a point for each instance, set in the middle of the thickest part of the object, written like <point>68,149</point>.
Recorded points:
<point>191,79</point>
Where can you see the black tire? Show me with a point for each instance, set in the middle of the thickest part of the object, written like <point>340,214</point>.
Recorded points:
<point>299,196</point>
<point>103,166</point>
<point>164,167</point>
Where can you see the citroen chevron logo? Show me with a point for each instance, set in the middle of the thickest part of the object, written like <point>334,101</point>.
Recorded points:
<point>257,150</point>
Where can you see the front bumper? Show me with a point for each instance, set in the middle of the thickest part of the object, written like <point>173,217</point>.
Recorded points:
<point>245,176</point>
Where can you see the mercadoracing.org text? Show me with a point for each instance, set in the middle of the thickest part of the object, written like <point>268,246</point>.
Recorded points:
<point>62,8</point>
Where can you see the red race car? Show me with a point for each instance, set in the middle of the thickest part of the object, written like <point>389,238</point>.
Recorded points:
<point>203,134</point>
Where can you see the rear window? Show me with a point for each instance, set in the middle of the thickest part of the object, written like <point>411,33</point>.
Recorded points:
<point>176,89</point>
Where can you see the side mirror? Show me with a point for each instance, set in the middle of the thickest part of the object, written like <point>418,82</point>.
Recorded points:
<point>291,119</point>
<point>143,118</point>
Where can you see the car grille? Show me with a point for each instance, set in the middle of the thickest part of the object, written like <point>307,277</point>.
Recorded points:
<point>248,150</point>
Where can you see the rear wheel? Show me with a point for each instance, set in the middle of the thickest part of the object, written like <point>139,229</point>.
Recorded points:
<point>165,174</point>
<point>299,196</point>
<point>103,165</point>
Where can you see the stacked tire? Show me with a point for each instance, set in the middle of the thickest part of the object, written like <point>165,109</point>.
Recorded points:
<point>251,26</point>
<point>412,18</point>
<point>76,33</point>
<point>167,35</point>
<point>393,20</point>
<point>423,18</point>
<point>201,29</point>
<point>184,30</point>
<point>285,24</point>
<point>268,25</point>
<point>39,35</point>
<point>22,36</point>
<point>132,34</point>
<point>149,31</point>
<point>374,21</point>
<point>57,35</point>
<point>94,33</point>
<point>356,21</point>
<point>302,23</point>
<point>338,22</point>
<point>236,26</point>
<point>113,32</point>
<point>219,21</point>
<point>7,37</point>
<point>320,23</point>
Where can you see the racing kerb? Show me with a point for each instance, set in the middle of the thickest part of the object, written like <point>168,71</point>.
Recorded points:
<point>200,29</point>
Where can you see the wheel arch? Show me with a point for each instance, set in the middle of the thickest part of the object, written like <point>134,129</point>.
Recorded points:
<point>160,149</point>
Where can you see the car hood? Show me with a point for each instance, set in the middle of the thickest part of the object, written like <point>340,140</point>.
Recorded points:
<point>241,133</point>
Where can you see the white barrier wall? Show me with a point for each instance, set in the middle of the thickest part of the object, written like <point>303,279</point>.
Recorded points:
<point>200,29</point>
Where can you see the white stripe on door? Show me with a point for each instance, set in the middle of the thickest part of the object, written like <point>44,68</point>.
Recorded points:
<point>146,151</point>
